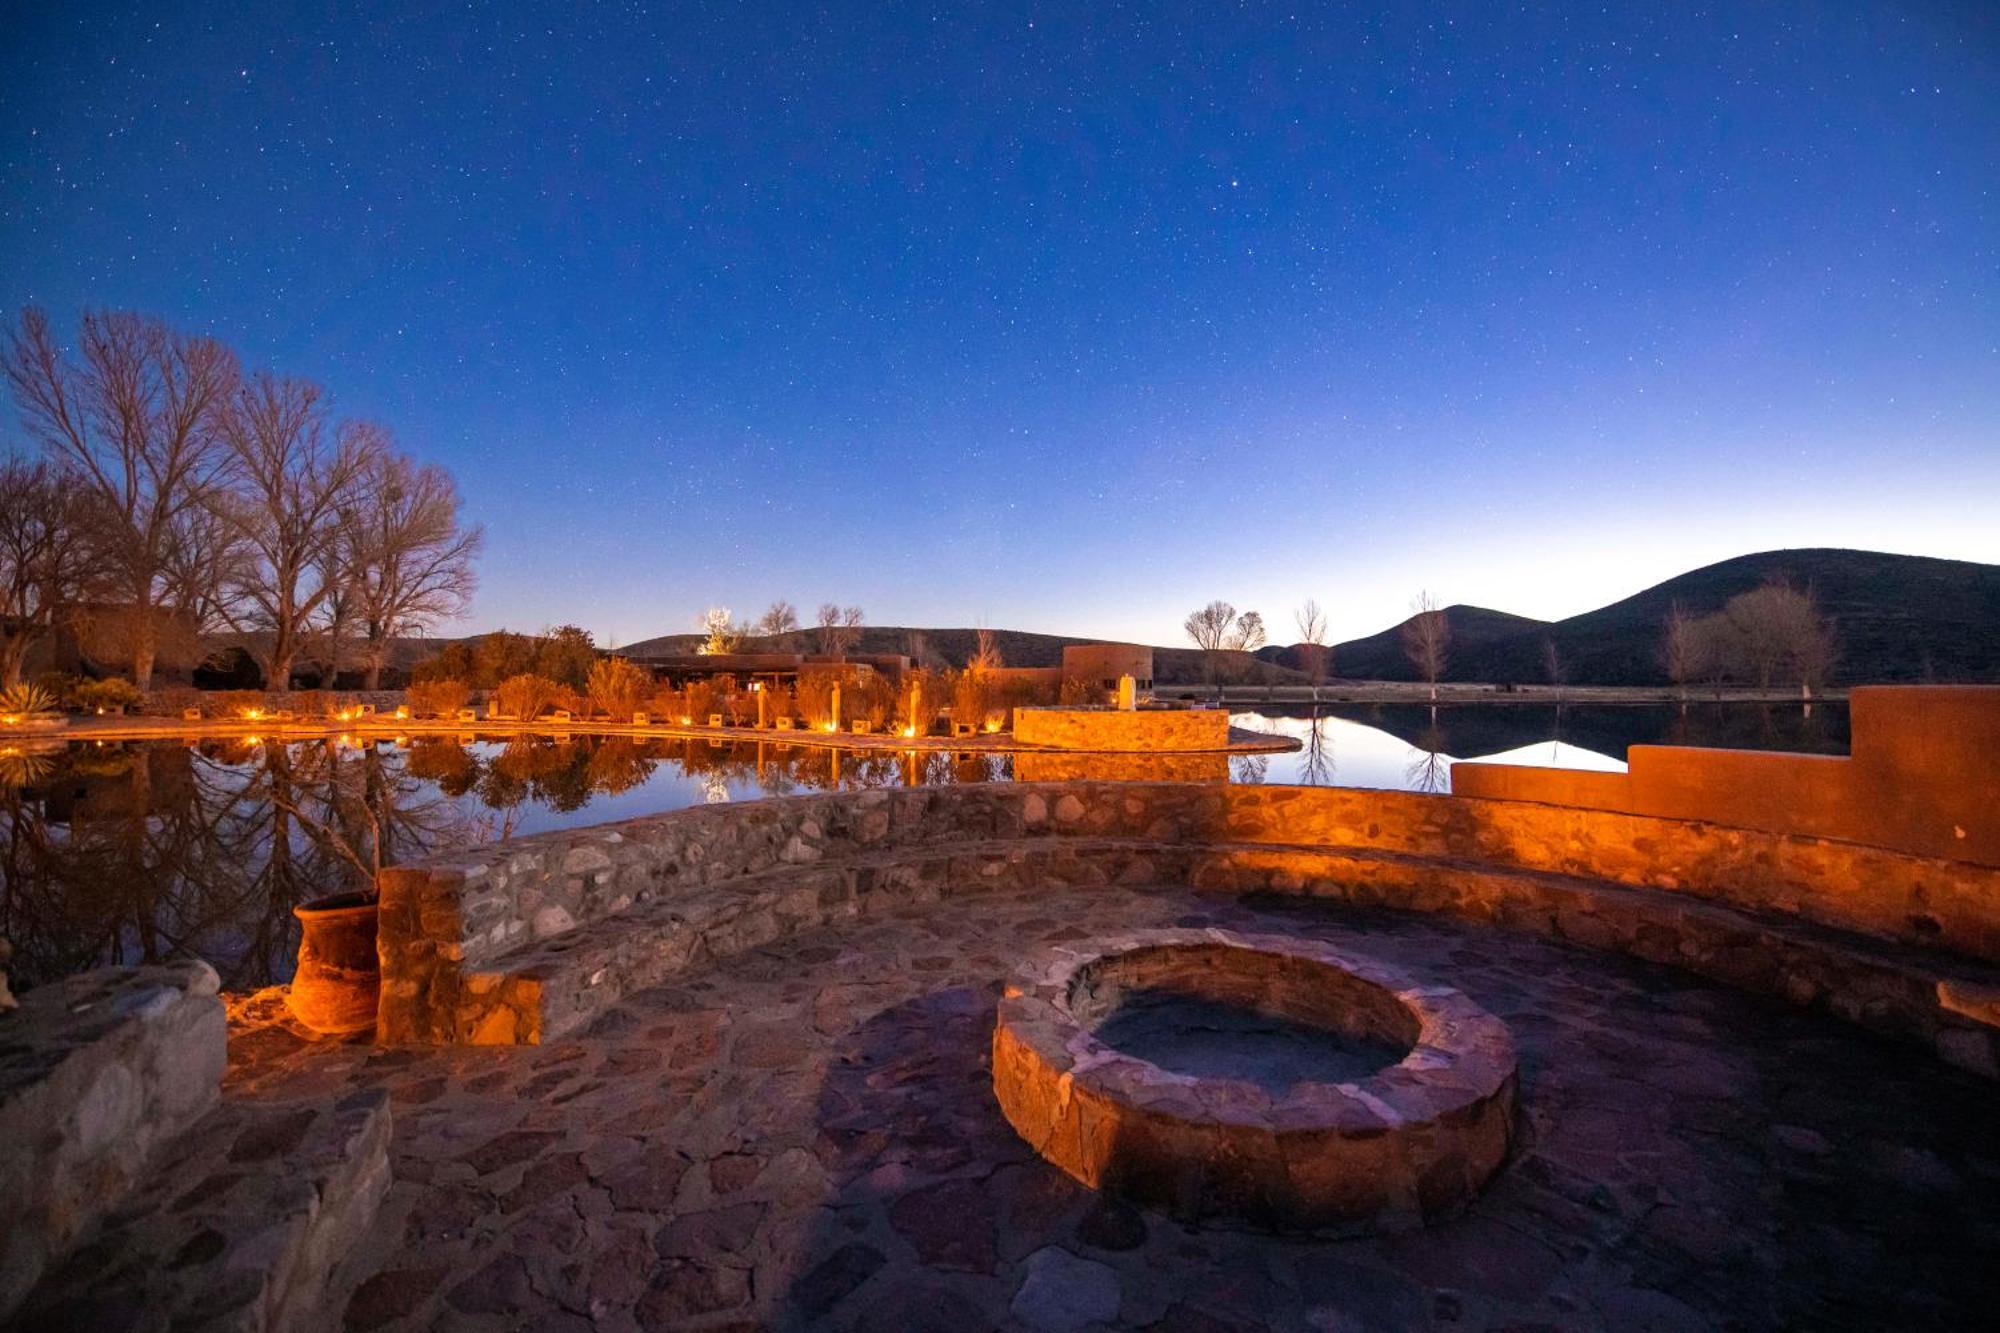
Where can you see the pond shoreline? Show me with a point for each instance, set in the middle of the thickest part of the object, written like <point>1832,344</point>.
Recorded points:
<point>1241,740</point>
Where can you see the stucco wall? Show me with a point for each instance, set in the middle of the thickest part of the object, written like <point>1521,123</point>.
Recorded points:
<point>1923,778</point>
<point>1110,729</point>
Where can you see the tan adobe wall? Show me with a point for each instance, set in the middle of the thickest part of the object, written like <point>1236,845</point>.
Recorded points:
<point>1923,778</point>
<point>1103,663</point>
<point>1157,729</point>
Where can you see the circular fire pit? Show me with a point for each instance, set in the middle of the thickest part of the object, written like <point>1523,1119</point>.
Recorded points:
<point>1279,1081</point>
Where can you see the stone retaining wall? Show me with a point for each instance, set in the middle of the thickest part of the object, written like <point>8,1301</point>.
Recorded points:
<point>1111,729</point>
<point>449,928</point>
<point>95,1072</point>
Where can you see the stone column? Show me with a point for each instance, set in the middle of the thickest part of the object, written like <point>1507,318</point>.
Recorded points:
<point>833,709</point>
<point>1128,694</point>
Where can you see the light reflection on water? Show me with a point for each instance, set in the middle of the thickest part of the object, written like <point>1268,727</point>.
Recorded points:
<point>137,852</point>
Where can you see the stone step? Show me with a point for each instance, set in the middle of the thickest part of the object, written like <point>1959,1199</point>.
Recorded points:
<point>240,1229</point>
<point>96,1072</point>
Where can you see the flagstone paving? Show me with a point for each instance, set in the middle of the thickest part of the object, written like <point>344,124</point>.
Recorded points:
<point>805,1136</point>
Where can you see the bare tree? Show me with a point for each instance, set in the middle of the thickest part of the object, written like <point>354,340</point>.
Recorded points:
<point>838,629</point>
<point>296,477</point>
<point>723,634</point>
<point>780,617</point>
<point>137,422</point>
<point>1212,628</point>
<point>1776,632</point>
<point>44,563</point>
<point>407,560</point>
<point>1555,668</point>
<point>1685,649</point>
<point>985,651</point>
<point>1427,640</point>
<point>1313,652</point>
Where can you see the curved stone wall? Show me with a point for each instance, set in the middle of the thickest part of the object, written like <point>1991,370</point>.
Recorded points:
<point>504,943</point>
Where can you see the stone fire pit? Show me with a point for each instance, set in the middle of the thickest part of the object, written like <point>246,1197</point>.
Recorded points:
<point>1273,1080</point>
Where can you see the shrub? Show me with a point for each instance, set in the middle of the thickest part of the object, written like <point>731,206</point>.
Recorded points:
<point>873,698</point>
<point>27,703</point>
<point>437,698</point>
<point>668,704</point>
<point>1080,693</point>
<point>617,687</point>
<point>778,702</point>
<point>112,695</point>
<point>527,697</point>
<point>815,698</point>
<point>234,703</point>
<point>703,698</point>
<point>60,686</point>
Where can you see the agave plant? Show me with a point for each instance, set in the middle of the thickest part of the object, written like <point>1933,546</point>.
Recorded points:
<point>25,704</point>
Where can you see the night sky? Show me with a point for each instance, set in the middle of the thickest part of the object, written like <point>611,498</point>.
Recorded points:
<point>1068,317</point>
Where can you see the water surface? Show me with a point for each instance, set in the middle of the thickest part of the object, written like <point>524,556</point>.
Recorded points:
<point>143,851</point>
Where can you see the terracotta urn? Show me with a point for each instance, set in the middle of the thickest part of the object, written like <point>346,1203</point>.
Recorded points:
<point>338,979</point>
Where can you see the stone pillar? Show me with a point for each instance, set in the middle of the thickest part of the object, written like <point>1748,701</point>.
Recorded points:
<point>1128,694</point>
<point>833,709</point>
<point>763,701</point>
<point>916,702</point>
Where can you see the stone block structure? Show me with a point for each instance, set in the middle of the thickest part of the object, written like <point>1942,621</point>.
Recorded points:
<point>1921,778</point>
<point>1116,730</point>
<point>529,939</point>
<point>96,1072</point>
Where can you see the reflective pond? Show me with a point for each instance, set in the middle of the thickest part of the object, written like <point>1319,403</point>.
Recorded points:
<point>142,851</point>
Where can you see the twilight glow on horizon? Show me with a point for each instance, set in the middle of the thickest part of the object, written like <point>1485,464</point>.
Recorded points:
<point>1068,318</point>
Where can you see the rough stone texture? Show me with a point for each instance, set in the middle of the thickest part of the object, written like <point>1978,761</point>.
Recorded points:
<point>1688,1156</point>
<point>1112,729</point>
<point>1925,763</point>
<point>625,906</point>
<point>1406,1145</point>
<point>96,1071</point>
<point>239,1228</point>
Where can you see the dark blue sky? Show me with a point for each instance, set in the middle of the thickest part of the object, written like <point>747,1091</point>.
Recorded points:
<point>1069,317</point>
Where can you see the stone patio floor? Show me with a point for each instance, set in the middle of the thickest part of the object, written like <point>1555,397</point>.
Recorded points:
<point>805,1137</point>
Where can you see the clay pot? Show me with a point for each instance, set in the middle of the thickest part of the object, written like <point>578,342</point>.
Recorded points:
<point>339,977</point>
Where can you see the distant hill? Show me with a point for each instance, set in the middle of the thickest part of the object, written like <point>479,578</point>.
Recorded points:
<point>1897,618</point>
<point>1380,656</point>
<point>1018,648</point>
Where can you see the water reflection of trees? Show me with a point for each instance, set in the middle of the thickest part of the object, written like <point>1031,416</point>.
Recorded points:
<point>139,853</point>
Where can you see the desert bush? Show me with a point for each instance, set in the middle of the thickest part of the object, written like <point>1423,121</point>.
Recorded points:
<point>527,697</point>
<point>437,698</point>
<point>616,687</point>
<point>111,695</point>
<point>1077,692</point>
<point>29,703</point>
<point>974,695</point>
<point>779,702</point>
<point>934,694</point>
<point>668,704</point>
<point>703,698</point>
<point>61,686</point>
<point>815,698</point>
<point>873,698</point>
<point>736,704</point>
